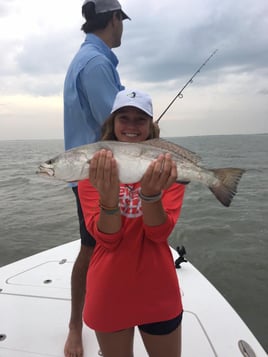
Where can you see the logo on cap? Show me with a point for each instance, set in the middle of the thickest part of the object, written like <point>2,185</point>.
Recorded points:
<point>131,95</point>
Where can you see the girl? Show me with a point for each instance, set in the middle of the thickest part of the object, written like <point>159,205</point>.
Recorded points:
<point>131,279</point>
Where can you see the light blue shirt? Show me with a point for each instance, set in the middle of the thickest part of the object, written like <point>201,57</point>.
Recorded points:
<point>90,87</point>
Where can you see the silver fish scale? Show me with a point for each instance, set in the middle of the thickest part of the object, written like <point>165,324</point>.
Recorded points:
<point>175,149</point>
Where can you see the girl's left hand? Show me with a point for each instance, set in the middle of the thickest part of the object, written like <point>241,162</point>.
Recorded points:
<point>160,175</point>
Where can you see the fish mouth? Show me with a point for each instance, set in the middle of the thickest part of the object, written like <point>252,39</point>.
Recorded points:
<point>45,171</point>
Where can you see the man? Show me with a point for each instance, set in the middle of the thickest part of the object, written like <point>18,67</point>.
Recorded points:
<point>90,87</point>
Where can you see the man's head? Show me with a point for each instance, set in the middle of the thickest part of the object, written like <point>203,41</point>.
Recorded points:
<point>99,14</point>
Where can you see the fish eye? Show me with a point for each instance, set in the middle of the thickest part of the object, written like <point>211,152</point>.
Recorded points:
<point>49,162</point>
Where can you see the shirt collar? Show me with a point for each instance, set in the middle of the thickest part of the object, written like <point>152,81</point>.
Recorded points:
<point>101,45</point>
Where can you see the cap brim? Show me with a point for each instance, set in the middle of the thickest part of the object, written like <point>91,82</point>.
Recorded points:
<point>124,16</point>
<point>118,109</point>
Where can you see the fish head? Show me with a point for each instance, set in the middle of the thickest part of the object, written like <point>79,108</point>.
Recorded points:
<point>68,167</point>
<point>46,169</point>
<point>52,168</point>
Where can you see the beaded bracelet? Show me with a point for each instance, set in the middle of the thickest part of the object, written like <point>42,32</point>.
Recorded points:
<point>109,210</point>
<point>150,199</point>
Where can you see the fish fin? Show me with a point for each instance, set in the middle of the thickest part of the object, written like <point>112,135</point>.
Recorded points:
<point>173,148</point>
<point>227,189</point>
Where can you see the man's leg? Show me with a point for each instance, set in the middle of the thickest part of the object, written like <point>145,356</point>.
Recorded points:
<point>74,345</point>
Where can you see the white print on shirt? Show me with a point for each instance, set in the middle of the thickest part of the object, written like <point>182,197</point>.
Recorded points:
<point>129,201</point>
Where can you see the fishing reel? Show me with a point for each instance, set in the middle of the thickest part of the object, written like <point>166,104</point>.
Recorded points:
<point>181,259</point>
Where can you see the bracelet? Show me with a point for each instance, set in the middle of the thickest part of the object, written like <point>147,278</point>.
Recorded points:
<point>150,199</point>
<point>109,210</point>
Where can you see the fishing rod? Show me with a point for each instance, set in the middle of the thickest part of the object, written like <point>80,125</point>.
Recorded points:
<point>180,95</point>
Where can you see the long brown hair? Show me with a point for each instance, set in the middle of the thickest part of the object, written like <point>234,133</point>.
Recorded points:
<point>107,130</point>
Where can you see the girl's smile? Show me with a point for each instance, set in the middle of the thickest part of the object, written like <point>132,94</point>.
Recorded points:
<point>132,124</point>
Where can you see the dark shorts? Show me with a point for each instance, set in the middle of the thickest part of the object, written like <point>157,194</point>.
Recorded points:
<point>163,327</point>
<point>86,238</point>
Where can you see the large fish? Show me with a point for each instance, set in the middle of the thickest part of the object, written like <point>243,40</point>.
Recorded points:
<point>133,160</point>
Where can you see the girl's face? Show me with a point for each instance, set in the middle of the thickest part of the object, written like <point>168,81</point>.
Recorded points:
<point>132,125</point>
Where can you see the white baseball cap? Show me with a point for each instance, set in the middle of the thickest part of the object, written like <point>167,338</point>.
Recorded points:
<point>133,98</point>
<point>102,6</point>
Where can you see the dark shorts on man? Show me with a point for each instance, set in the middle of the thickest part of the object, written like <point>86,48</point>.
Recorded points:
<point>86,238</point>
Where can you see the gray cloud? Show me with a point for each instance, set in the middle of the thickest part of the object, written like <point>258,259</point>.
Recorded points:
<point>47,55</point>
<point>37,65</point>
<point>155,52</point>
<point>263,91</point>
<point>163,47</point>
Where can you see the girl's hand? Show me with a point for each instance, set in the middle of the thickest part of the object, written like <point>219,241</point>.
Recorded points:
<point>103,175</point>
<point>160,175</point>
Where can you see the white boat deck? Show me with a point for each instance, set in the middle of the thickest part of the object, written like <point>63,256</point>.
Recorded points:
<point>35,309</point>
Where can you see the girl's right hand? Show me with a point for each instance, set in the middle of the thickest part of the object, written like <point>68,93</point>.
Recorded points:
<point>103,175</point>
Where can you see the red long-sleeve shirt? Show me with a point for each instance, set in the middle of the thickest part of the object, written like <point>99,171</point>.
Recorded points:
<point>131,278</point>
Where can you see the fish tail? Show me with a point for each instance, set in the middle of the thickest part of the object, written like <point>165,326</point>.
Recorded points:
<point>226,187</point>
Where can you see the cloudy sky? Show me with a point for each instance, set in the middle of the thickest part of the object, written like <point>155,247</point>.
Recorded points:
<point>162,47</point>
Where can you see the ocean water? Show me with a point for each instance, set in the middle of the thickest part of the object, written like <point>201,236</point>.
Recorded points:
<point>228,245</point>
